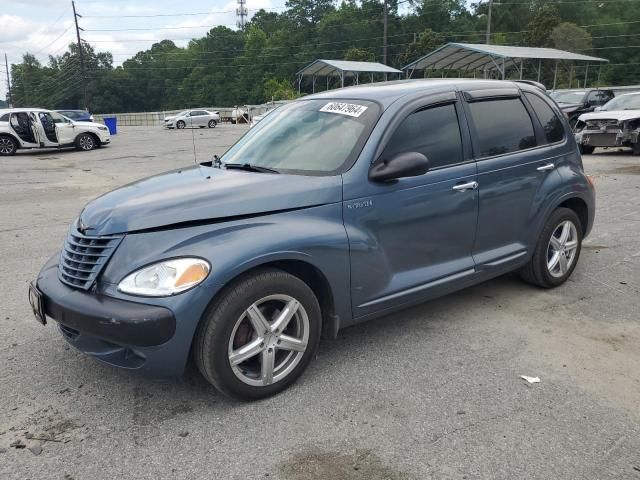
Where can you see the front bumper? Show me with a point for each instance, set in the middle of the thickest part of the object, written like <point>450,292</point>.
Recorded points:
<point>607,137</point>
<point>119,332</point>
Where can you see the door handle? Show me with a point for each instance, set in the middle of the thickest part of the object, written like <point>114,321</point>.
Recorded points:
<point>546,167</point>
<point>463,187</point>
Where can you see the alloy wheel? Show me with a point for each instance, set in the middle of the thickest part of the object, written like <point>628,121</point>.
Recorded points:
<point>86,142</point>
<point>6,146</point>
<point>562,248</point>
<point>268,340</point>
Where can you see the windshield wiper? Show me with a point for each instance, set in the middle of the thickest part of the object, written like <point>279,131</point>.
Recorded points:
<point>250,168</point>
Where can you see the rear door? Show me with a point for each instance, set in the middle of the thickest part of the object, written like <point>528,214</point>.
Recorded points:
<point>21,125</point>
<point>515,164</point>
<point>411,237</point>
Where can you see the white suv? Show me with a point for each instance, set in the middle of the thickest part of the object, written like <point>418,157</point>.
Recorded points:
<point>39,128</point>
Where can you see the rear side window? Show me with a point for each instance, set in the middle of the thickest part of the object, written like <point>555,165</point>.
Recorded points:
<point>501,126</point>
<point>434,132</point>
<point>4,118</point>
<point>551,124</point>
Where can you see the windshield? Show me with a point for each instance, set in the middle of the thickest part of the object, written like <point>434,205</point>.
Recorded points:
<point>312,137</point>
<point>569,97</point>
<point>624,102</point>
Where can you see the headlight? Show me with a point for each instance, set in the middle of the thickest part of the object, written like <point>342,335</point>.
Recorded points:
<point>103,128</point>
<point>166,278</point>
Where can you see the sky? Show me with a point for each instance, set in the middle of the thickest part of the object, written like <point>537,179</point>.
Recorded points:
<point>45,27</point>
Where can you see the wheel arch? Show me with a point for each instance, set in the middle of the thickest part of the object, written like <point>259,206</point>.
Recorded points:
<point>309,274</point>
<point>579,206</point>
<point>94,135</point>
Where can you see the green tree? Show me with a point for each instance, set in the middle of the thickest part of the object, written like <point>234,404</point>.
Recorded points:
<point>569,36</point>
<point>538,31</point>
<point>359,55</point>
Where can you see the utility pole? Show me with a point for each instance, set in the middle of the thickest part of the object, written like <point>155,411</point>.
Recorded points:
<point>488,41</point>
<point>385,12</point>
<point>81,53</point>
<point>6,64</point>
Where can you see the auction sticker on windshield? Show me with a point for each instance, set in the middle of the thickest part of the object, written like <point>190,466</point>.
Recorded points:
<point>350,109</point>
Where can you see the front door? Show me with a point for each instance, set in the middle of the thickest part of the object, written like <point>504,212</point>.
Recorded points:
<point>65,129</point>
<point>47,128</point>
<point>411,238</point>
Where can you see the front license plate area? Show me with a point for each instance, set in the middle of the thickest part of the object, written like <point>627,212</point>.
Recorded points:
<point>37,305</point>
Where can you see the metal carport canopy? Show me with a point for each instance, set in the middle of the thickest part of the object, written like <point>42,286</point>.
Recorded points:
<point>339,68</point>
<point>473,56</point>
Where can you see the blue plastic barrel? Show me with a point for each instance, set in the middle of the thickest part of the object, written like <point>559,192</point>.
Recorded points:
<point>112,124</point>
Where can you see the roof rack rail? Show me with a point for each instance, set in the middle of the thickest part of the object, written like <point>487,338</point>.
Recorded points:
<point>534,83</point>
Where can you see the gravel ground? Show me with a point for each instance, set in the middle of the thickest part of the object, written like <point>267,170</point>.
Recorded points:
<point>432,392</point>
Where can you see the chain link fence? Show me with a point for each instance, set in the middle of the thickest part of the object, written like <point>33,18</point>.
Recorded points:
<point>154,119</point>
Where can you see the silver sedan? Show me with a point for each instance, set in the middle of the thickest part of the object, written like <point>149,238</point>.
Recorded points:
<point>193,118</point>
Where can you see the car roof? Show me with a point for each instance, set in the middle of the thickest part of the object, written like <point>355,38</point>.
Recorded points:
<point>70,110</point>
<point>17,110</point>
<point>388,92</point>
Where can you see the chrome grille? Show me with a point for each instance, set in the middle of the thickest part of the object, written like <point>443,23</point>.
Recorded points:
<point>83,257</point>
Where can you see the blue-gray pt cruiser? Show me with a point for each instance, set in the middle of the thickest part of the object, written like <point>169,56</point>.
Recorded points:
<point>335,209</point>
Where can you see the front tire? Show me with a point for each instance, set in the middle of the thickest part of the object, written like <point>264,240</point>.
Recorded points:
<point>259,336</point>
<point>557,251</point>
<point>180,125</point>
<point>8,145</point>
<point>212,123</point>
<point>86,142</point>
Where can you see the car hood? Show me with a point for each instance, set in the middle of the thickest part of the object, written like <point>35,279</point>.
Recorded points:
<point>166,119</point>
<point>199,194</point>
<point>88,124</point>
<point>619,115</point>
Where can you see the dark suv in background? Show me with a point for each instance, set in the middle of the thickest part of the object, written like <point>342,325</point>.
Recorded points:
<point>335,209</point>
<point>574,103</point>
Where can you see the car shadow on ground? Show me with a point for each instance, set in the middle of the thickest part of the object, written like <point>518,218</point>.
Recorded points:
<point>420,323</point>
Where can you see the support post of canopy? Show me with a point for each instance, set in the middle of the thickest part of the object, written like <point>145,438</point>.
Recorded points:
<point>342,79</point>
<point>539,69</point>
<point>571,76</point>
<point>313,84</point>
<point>503,70</point>
<point>586,73</point>
<point>299,83</point>
<point>599,72</point>
<point>521,67</point>
<point>555,75</point>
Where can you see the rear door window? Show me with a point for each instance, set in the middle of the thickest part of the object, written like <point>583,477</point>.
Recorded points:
<point>501,126</point>
<point>4,118</point>
<point>432,131</point>
<point>551,124</point>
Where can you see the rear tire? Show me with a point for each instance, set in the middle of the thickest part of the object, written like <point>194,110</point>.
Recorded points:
<point>8,145</point>
<point>280,352</point>
<point>557,251</point>
<point>86,142</point>
<point>212,123</point>
<point>586,149</point>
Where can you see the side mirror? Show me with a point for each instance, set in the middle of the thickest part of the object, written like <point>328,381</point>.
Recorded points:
<point>407,164</point>
<point>597,109</point>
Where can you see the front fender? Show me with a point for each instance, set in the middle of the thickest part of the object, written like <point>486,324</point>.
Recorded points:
<point>314,235</point>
